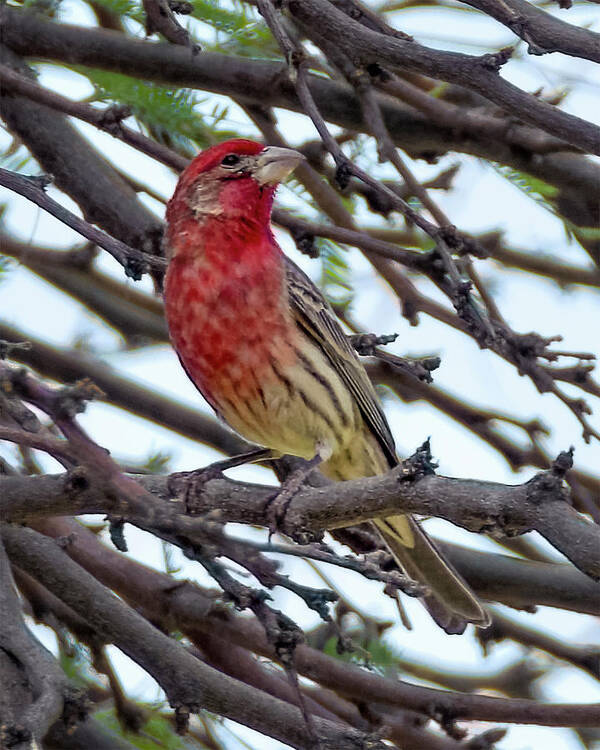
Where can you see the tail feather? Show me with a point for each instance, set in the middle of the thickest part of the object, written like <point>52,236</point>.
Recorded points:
<point>451,602</point>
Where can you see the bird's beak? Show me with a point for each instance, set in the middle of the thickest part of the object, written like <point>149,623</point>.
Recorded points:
<point>273,164</point>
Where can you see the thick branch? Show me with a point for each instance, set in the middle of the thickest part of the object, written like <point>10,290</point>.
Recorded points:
<point>189,608</point>
<point>78,169</point>
<point>542,31</point>
<point>539,504</point>
<point>267,83</point>
<point>189,683</point>
<point>36,668</point>
<point>69,366</point>
<point>477,74</point>
<point>495,577</point>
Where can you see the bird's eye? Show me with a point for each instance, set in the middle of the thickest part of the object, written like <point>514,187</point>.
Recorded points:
<point>231,160</point>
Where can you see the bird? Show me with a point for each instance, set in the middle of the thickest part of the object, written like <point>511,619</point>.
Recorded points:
<point>263,346</point>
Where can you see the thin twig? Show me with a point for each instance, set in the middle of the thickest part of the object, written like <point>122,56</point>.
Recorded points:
<point>135,262</point>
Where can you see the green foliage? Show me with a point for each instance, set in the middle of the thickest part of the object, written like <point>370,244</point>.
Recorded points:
<point>76,663</point>
<point>238,30</point>
<point>157,463</point>
<point>297,188</point>
<point>546,195</point>
<point>16,158</point>
<point>158,731</point>
<point>226,20</point>
<point>169,114</point>
<point>336,274</point>
<point>377,654</point>
<point>534,188</point>
<point>415,203</point>
<point>583,235</point>
<point>439,90</point>
<point>124,8</point>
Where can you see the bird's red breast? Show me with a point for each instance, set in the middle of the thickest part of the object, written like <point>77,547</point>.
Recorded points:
<point>226,305</point>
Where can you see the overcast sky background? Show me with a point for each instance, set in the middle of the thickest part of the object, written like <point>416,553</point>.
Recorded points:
<point>482,200</point>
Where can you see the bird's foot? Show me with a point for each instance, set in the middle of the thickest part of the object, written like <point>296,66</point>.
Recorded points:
<point>190,484</point>
<point>277,504</point>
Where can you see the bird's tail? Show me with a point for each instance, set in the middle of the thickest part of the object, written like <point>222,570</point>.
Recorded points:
<point>451,602</point>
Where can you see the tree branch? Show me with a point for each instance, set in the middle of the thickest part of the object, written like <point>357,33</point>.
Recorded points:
<point>188,683</point>
<point>267,83</point>
<point>476,74</point>
<point>543,32</point>
<point>539,504</point>
<point>36,668</point>
<point>108,119</point>
<point>509,580</point>
<point>69,366</point>
<point>187,607</point>
<point>502,628</point>
<point>78,169</point>
<point>160,17</point>
<point>135,262</point>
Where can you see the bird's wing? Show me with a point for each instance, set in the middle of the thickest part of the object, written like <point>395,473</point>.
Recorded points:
<point>314,314</point>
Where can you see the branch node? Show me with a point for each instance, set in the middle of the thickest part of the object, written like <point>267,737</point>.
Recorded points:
<point>40,181</point>
<point>76,707</point>
<point>283,634</point>
<point>76,480</point>
<point>376,71</point>
<point>116,529</point>
<point>135,268</point>
<point>563,462</point>
<point>65,541</point>
<point>182,719</point>
<point>462,243</point>
<point>343,173</point>
<point>182,7</point>
<point>496,60</point>
<point>112,118</point>
<point>12,735</point>
<point>419,465</point>
<point>305,242</point>
<point>365,343</point>
<point>72,399</point>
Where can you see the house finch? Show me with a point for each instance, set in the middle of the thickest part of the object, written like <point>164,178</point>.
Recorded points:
<point>264,348</point>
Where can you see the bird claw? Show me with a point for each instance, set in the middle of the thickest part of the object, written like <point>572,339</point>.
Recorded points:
<point>192,482</point>
<point>190,485</point>
<point>276,509</point>
<point>277,505</point>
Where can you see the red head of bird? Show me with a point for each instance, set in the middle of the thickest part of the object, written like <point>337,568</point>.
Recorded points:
<point>233,182</point>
